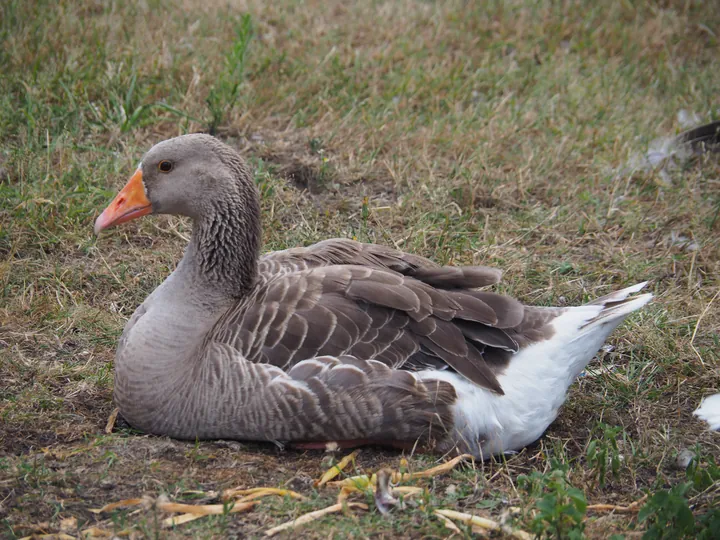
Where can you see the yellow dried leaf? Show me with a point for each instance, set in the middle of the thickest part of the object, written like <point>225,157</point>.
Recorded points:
<point>336,469</point>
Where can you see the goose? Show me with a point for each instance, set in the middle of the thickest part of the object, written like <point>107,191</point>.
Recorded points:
<point>339,343</point>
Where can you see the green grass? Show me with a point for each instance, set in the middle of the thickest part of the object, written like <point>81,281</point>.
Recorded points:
<point>494,133</point>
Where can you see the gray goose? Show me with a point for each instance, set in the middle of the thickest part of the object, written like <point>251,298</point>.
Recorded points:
<point>340,341</point>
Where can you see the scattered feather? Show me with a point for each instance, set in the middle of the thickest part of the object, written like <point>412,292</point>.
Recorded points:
<point>682,242</point>
<point>688,119</point>
<point>709,411</point>
<point>384,499</point>
<point>684,459</point>
<point>665,154</point>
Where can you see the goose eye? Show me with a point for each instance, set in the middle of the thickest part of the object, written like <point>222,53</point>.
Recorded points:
<point>165,166</point>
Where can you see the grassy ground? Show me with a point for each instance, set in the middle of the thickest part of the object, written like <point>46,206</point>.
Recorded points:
<point>495,135</point>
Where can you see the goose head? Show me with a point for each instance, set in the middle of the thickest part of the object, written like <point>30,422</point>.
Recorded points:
<point>191,175</point>
<point>202,178</point>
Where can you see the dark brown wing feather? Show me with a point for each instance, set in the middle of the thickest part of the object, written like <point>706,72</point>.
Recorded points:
<point>341,297</point>
<point>342,251</point>
<point>701,139</point>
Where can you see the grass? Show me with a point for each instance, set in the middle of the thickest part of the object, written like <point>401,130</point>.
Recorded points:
<point>493,135</point>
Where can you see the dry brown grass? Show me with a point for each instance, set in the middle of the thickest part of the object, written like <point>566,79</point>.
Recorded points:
<point>494,135</point>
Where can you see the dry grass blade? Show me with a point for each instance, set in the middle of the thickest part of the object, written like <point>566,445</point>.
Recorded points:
<point>483,523</point>
<point>312,516</point>
<point>336,469</point>
<point>697,325</point>
<point>629,509</point>
<point>51,536</point>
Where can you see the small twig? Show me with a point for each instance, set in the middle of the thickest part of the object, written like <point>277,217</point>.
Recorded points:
<point>629,509</point>
<point>113,274</point>
<point>111,421</point>
<point>145,501</point>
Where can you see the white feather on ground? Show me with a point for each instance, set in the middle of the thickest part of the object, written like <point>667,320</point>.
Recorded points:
<point>709,410</point>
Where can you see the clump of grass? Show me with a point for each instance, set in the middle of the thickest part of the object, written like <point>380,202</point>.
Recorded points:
<point>667,514</point>
<point>559,506</point>
<point>225,91</point>
<point>603,453</point>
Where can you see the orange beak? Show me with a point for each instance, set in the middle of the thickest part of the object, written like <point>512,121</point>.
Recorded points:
<point>129,204</point>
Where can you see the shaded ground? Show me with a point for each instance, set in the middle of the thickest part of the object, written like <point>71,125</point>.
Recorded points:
<point>498,135</point>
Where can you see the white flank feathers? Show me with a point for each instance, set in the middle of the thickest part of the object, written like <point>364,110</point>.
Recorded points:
<point>537,378</point>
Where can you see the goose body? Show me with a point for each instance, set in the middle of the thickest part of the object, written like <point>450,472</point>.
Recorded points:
<point>336,342</point>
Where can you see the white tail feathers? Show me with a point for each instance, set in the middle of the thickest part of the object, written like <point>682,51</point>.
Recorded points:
<point>617,296</point>
<point>617,305</point>
<point>709,410</point>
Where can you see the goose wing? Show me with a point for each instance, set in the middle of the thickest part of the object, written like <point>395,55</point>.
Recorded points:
<point>401,313</point>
